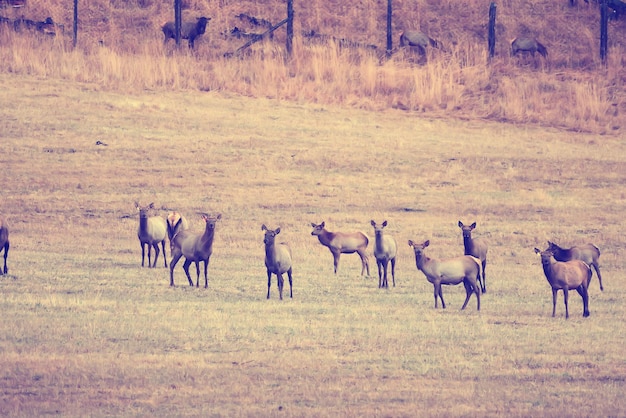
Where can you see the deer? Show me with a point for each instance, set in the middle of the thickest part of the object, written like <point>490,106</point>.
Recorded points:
<point>528,45</point>
<point>418,40</point>
<point>188,30</point>
<point>477,248</point>
<point>566,275</point>
<point>385,251</point>
<point>277,261</point>
<point>465,269</point>
<point>195,247</point>
<point>175,223</point>
<point>4,243</point>
<point>588,253</point>
<point>151,232</point>
<point>343,242</point>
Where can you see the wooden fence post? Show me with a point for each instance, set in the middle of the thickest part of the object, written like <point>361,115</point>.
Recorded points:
<point>289,42</point>
<point>75,27</point>
<point>604,17</point>
<point>389,21</point>
<point>492,30</point>
<point>178,20</point>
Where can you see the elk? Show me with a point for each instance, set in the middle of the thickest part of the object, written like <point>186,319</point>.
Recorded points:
<point>188,30</point>
<point>195,247</point>
<point>4,243</point>
<point>528,45</point>
<point>452,271</point>
<point>151,232</point>
<point>476,248</point>
<point>418,40</point>
<point>566,275</point>
<point>588,253</point>
<point>175,223</point>
<point>385,250</point>
<point>343,242</point>
<point>277,261</point>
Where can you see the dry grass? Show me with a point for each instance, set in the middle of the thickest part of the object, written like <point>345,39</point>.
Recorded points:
<point>87,331</point>
<point>571,90</point>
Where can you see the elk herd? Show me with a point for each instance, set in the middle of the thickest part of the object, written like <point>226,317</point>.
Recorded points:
<point>564,268</point>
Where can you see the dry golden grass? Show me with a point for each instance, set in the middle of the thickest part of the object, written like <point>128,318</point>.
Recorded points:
<point>87,331</point>
<point>120,49</point>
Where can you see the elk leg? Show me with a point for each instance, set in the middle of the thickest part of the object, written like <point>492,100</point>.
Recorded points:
<point>156,254</point>
<point>143,254</point>
<point>553,302</point>
<point>175,258</point>
<point>336,255</point>
<point>596,267</point>
<point>393,271</point>
<point>164,256</point>
<point>280,280</point>
<point>468,292</point>
<point>566,300</point>
<point>186,268</point>
<point>483,283</point>
<point>269,282</point>
<point>290,283</point>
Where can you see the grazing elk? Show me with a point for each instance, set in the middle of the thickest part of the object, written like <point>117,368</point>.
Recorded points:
<point>418,40</point>
<point>528,45</point>
<point>588,253</point>
<point>151,232</point>
<point>343,242</point>
<point>566,275</point>
<point>277,261</point>
<point>385,250</point>
<point>195,247</point>
<point>476,248</point>
<point>453,271</point>
<point>188,30</point>
<point>4,243</point>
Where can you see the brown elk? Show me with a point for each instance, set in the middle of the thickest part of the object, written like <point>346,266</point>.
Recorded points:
<point>4,243</point>
<point>453,271</point>
<point>418,40</point>
<point>175,223</point>
<point>188,30</point>
<point>528,45</point>
<point>566,275</point>
<point>277,261</point>
<point>477,248</point>
<point>385,250</point>
<point>195,247</point>
<point>151,232</point>
<point>343,242</point>
<point>588,253</point>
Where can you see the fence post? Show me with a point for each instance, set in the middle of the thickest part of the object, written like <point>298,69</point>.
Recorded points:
<point>604,36</point>
<point>289,42</point>
<point>178,19</point>
<point>389,21</point>
<point>492,30</point>
<point>75,27</point>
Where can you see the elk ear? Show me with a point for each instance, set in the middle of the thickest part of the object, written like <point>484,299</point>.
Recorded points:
<point>460,224</point>
<point>219,216</point>
<point>473,225</point>
<point>151,205</point>
<point>384,224</point>
<point>137,205</point>
<point>263,227</point>
<point>277,231</point>
<point>322,224</point>
<point>313,225</point>
<point>426,243</point>
<point>537,250</point>
<point>373,223</point>
<point>410,243</point>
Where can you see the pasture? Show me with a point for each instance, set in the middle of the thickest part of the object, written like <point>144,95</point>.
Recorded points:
<point>87,331</point>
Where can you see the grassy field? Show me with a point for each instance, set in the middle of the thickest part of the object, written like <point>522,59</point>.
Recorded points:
<point>87,332</point>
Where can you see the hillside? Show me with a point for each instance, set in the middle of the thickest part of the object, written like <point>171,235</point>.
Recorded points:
<point>572,89</point>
